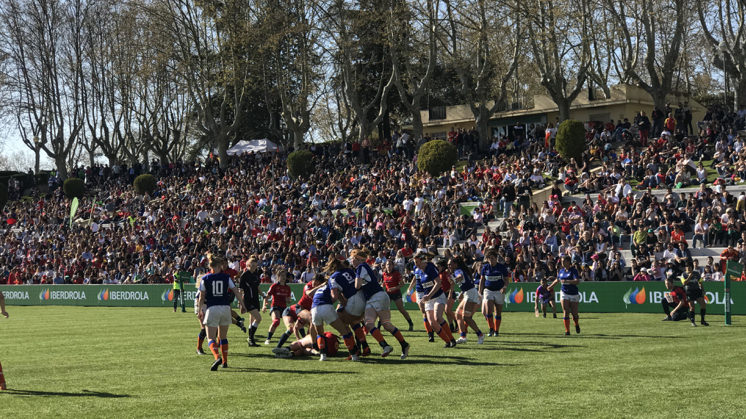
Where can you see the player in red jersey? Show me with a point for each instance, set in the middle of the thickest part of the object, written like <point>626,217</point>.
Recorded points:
<point>392,282</point>
<point>305,347</point>
<point>447,285</point>
<point>298,315</point>
<point>280,293</point>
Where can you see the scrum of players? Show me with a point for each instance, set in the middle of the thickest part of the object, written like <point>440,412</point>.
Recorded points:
<point>350,299</point>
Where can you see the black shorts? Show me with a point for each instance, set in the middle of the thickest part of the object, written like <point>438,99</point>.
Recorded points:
<point>394,295</point>
<point>251,303</point>
<point>693,293</point>
<point>290,311</point>
<point>279,310</point>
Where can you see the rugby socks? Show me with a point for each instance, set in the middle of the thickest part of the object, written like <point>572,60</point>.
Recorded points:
<point>498,320</point>
<point>691,316</point>
<point>252,331</point>
<point>302,332</point>
<point>397,334</point>
<point>213,348</point>
<point>376,333</point>
<point>349,343</point>
<point>445,327</point>
<point>201,338</point>
<point>224,350</point>
<point>284,338</point>
<point>490,322</point>
<point>427,325</point>
<point>566,321</point>
<point>576,320</point>
<point>702,313</point>
<point>359,331</point>
<point>321,342</point>
<point>444,335</point>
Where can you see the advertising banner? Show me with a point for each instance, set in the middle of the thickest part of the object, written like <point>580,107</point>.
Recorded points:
<point>596,297</point>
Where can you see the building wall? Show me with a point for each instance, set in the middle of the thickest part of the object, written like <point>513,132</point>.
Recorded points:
<point>625,102</point>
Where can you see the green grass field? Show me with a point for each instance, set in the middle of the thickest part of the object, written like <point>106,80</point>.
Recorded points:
<point>140,362</point>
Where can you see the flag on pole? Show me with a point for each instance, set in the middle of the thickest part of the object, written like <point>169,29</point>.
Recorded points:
<point>73,210</point>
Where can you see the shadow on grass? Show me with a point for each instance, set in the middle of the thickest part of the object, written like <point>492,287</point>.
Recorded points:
<point>520,346</point>
<point>413,360</point>
<point>281,371</point>
<point>594,336</point>
<point>83,393</point>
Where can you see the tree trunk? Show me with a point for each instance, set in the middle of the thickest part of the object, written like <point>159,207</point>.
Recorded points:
<point>563,105</point>
<point>659,99</point>
<point>61,166</point>
<point>223,151</point>
<point>417,127</point>
<point>37,158</point>
<point>298,134</point>
<point>483,121</point>
<point>739,100</point>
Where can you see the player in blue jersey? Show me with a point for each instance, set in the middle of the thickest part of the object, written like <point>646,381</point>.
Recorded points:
<point>469,296</point>
<point>544,296</point>
<point>428,280</point>
<point>377,304</point>
<point>494,276</point>
<point>322,311</point>
<point>419,294</point>
<point>569,278</point>
<point>216,291</point>
<point>352,311</point>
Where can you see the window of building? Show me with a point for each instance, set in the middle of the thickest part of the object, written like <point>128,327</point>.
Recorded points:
<point>436,113</point>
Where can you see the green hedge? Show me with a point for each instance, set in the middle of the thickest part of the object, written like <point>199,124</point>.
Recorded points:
<point>570,142</point>
<point>74,187</point>
<point>145,184</point>
<point>300,164</point>
<point>436,157</point>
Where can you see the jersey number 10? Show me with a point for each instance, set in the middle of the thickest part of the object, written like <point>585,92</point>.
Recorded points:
<point>217,288</point>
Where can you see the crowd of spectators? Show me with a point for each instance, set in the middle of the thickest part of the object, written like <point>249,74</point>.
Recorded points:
<point>374,197</point>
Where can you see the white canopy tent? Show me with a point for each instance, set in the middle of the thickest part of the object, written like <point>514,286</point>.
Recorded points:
<point>254,146</point>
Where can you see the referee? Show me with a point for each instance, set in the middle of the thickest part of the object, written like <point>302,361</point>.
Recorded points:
<point>249,284</point>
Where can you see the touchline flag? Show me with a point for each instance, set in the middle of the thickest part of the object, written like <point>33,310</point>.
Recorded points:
<point>73,210</point>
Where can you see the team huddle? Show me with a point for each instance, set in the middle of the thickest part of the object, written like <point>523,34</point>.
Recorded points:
<point>350,298</point>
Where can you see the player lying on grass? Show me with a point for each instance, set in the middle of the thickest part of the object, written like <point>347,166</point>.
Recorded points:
<point>307,347</point>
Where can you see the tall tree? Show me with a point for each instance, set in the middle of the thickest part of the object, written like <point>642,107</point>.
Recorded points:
<point>416,31</point>
<point>724,27</point>
<point>44,48</point>
<point>560,47</point>
<point>213,41</point>
<point>293,58</point>
<point>358,32</point>
<point>483,43</point>
<point>661,25</point>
